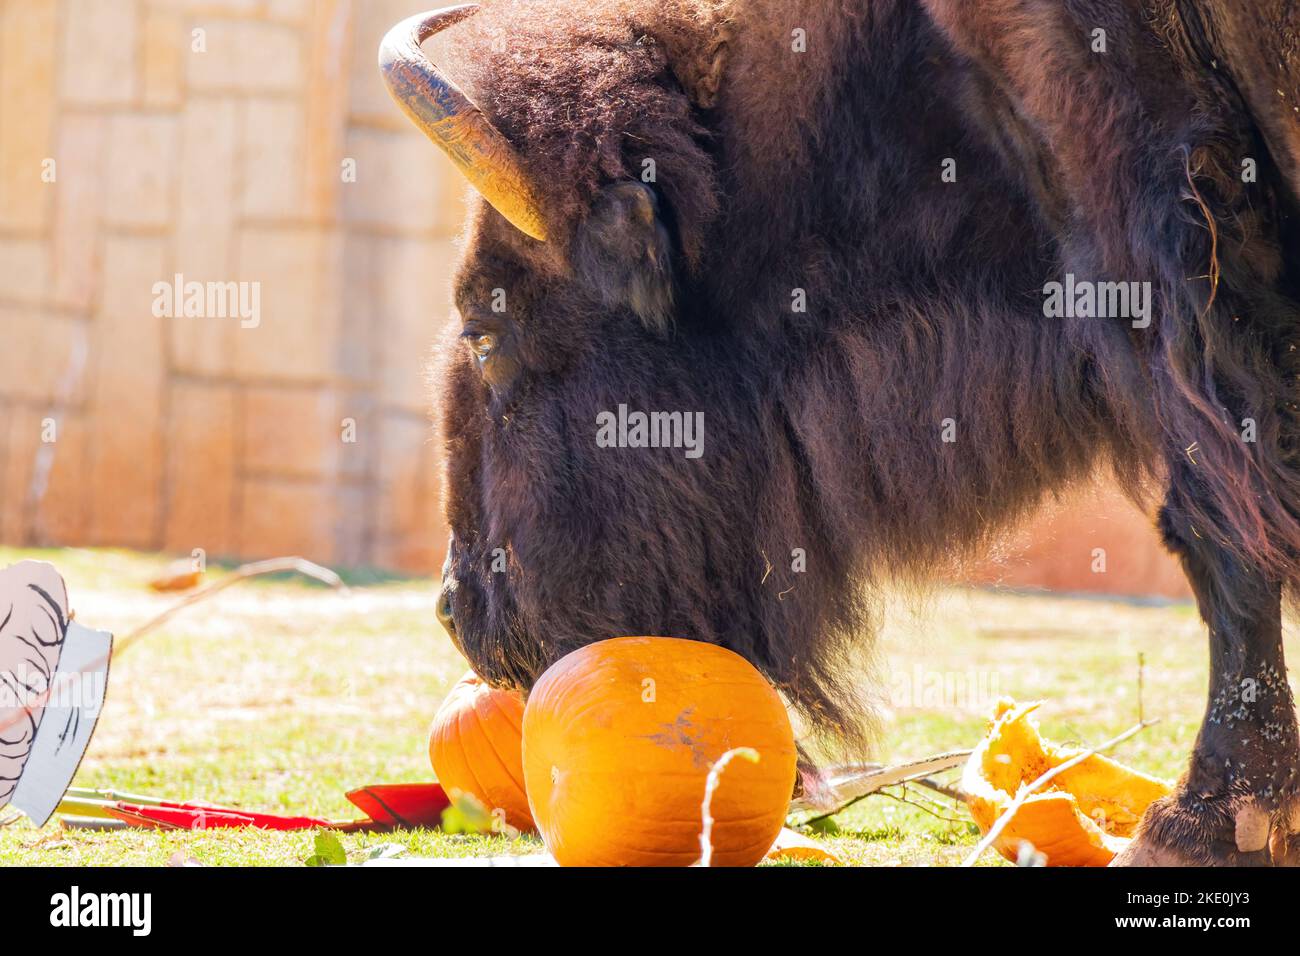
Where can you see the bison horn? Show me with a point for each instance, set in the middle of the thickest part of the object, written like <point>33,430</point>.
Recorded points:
<point>452,121</point>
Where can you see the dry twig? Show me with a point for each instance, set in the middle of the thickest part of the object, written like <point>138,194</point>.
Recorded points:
<point>847,788</point>
<point>921,803</point>
<point>256,569</point>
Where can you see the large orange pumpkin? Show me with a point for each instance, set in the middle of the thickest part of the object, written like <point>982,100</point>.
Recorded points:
<point>1082,817</point>
<point>475,748</point>
<point>619,738</point>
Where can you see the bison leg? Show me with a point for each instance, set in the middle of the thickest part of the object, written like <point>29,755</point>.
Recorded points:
<point>1237,804</point>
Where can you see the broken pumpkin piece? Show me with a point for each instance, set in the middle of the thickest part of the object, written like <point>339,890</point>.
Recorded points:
<point>179,576</point>
<point>1082,817</point>
<point>792,845</point>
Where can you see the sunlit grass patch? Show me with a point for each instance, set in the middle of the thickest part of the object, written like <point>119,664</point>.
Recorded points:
<point>282,695</point>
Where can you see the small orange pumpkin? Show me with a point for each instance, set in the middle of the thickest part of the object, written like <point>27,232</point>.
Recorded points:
<point>475,748</point>
<point>619,738</point>
<point>1082,817</point>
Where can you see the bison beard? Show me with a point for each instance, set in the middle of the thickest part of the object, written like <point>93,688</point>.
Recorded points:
<point>818,173</point>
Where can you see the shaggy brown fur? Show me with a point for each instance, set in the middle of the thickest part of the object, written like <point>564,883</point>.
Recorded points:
<point>820,171</point>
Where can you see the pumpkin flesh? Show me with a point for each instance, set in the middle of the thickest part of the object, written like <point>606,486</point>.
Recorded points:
<point>1083,817</point>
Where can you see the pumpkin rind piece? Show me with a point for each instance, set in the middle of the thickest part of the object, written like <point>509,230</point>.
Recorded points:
<point>1082,818</point>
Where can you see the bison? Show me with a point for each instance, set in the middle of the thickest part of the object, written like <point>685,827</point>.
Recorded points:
<point>911,265</point>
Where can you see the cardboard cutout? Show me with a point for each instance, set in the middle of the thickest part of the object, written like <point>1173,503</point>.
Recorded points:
<point>53,676</point>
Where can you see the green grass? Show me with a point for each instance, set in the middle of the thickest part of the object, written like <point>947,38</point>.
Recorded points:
<point>281,696</point>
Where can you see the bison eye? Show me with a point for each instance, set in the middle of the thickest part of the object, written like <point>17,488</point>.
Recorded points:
<point>482,345</point>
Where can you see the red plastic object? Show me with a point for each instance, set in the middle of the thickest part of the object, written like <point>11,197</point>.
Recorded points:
<point>403,804</point>
<point>191,817</point>
<point>386,806</point>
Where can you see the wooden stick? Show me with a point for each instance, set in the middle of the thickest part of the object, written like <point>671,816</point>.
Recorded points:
<point>947,790</point>
<point>272,566</point>
<point>1001,823</point>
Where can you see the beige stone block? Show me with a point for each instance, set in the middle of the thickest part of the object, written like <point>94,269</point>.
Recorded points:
<point>411,552</point>
<point>58,512</point>
<point>408,520</point>
<point>127,398</point>
<point>413,302</point>
<point>273,160</point>
<point>141,168</point>
<point>360,446</point>
<point>5,417</point>
<point>328,40</point>
<point>28,32</point>
<point>454,200</point>
<point>247,56</point>
<point>51,362</point>
<point>297,272</point>
<point>24,270</point>
<point>205,227</point>
<point>98,63</point>
<point>404,183</point>
<point>280,517</point>
<point>369,99</point>
<point>206,213</point>
<point>291,432</point>
<point>293,10</point>
<point>43,480</point>
<point>202,462</point>
<point>22,430</point>
<point>79,199</point>
<point>165,45</point>
<point>133,267</point>
<point>219,8</point>
<point>124,503</point>
<point>353,527</point>
<point>359,313</point>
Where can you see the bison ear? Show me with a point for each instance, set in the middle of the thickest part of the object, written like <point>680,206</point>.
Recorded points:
<point>623,252</point>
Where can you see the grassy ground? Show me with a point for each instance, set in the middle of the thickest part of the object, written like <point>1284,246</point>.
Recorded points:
<point>280,695</point>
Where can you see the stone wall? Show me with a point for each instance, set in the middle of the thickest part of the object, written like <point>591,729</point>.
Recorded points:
<point>224,140</point>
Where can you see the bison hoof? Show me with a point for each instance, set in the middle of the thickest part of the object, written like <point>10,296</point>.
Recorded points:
<point>1188,830</point>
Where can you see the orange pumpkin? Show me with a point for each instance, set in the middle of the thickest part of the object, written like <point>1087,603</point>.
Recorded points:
<point>619,738</point>
<point>1082,817</point>
<point>475,748</point>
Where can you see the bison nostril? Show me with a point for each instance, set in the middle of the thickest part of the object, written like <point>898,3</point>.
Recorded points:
<point>443,610</point>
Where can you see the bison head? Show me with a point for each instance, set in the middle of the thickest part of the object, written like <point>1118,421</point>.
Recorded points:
<point>619,460</point>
